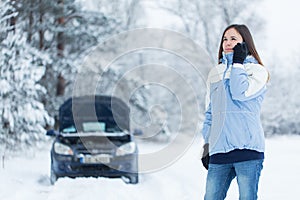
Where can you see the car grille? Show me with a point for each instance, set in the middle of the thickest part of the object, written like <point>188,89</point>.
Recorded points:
<point>92,168</point>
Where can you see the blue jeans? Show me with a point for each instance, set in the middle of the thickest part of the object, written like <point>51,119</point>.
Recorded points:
<point>220,176</point>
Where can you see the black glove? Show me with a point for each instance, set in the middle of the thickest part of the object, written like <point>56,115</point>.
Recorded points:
<point>205,155</point>
<point>240,53</point>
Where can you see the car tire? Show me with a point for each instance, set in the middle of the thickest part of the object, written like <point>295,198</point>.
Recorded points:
<point>134,179</point>
<point>53,177</point>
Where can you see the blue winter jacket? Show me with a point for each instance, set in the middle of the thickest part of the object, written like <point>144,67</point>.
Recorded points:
<point>233,103</point>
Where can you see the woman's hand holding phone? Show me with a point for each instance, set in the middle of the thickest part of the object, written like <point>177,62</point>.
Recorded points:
<point>240,53</point>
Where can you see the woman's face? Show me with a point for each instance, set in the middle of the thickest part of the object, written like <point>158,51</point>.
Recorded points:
<point>230,39</point>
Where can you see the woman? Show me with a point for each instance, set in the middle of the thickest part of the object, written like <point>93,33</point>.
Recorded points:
<point>232,126</point>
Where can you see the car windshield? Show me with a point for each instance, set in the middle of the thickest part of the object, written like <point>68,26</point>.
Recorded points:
<point>70,129</point>
<point>93,126</point>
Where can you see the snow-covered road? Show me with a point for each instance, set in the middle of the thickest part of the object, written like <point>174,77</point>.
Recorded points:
<point>27,178</point>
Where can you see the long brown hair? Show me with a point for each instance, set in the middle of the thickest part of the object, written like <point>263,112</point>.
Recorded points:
<point>247,38</point>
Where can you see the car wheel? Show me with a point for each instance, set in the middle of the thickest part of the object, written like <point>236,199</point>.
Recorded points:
<point>53,177</point>
<point>134,179</point>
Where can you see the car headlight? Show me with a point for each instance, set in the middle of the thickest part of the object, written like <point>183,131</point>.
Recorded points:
<point>62,149</point>
<point>125,149</point>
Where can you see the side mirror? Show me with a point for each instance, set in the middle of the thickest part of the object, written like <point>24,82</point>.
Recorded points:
<point>137,132</point>
<point>52,133</point>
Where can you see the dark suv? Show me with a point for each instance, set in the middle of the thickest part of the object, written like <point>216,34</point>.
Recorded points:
<point>94,139</point>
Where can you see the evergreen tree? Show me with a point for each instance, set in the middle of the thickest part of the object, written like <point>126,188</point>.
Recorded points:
<point>23,117</point>
<point>62,30</point>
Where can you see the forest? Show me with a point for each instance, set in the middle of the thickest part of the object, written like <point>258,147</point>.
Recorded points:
<point>53,50</point>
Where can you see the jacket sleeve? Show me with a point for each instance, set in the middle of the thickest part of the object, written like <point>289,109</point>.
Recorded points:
<point>207,124</point>
<point>208,117</point>
<point>247,82</point>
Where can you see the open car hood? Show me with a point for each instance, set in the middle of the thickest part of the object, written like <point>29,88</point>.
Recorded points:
<point>110,111</point>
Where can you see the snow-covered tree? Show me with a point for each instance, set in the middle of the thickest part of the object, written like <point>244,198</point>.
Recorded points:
<point>204,21</point>
<point>281,107</point>
<point>62,30</point>
<point>23,117</point>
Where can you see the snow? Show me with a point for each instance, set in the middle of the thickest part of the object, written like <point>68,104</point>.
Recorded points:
<point>26,177</point>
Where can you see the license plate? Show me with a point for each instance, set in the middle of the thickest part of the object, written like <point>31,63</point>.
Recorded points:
<point>101,158</point>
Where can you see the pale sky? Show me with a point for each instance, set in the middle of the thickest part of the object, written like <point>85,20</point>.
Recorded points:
<point>283,25</point>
